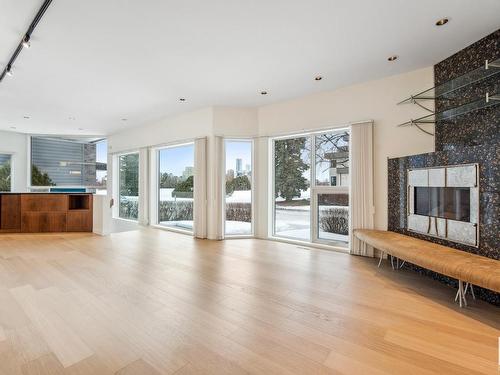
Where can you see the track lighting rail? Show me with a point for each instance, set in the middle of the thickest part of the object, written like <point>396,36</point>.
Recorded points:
<point>25,41</point>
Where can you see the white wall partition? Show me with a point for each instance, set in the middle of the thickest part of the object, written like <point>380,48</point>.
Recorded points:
<point>200,188</point>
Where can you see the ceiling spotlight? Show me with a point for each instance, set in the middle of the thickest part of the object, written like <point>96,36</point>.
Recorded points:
<point>26,42</point>
<point>318,78</point>
<point>182,99</point>
<point>442,22</point>
<point>392,58</point>
<point>9,71</point>
<point>263,93</point>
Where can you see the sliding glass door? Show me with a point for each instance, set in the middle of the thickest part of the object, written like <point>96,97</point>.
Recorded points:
<point>311,188</point>
<point>176,186</point>
<point>238,187</point>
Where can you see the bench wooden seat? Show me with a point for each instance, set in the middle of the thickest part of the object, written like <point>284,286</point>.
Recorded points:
<point>463,266</point>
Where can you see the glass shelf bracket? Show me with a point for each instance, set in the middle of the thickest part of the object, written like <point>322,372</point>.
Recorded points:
<point>447,89</point>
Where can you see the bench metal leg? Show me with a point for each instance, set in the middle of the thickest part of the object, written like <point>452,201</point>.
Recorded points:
<point>380,261</point>
<point>461,294</point>
<point>467,285</point>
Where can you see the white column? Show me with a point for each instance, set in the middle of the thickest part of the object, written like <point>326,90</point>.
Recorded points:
<point>143,218</point>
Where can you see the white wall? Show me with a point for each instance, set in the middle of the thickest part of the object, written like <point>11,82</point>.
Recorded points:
<point>168,130</point>
<point>235,122</point>
<point>374,100</point>
<point>16,144</point>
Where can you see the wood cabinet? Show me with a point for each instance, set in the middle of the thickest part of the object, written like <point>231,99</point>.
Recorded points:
<point>39,222</point>
<point>79,221</point>
<point>10,213</point>
<point>38,213</point>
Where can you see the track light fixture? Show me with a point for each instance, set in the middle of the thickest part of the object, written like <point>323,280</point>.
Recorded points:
<point>25,42</point>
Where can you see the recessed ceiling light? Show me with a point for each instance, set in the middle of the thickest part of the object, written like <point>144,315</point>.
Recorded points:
<point>263,93</point>
<point>13,127</point>
<point>392,58</point>
<point>318,78</point>
<point>80,128</point>
<point>442,22</point>
<point>182,99</point>
<point>71,118</point>
<point>124,119</point>
<point>26,117</point>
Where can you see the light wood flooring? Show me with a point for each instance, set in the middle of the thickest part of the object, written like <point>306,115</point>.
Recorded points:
<point>154,302</point>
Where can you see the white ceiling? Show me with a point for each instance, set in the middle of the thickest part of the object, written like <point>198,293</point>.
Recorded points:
<point>95,62</point>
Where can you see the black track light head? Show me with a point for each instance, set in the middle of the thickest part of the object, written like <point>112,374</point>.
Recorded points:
<point>26,42</point>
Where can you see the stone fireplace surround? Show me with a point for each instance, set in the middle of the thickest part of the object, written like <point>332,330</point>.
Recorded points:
<point>467,139</point>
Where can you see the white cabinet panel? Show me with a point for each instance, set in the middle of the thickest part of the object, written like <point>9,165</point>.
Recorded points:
<point>437,227</point>
<point>418,223</point>
<point>462,232</point>
<point>463,176</point>
<point>418,177</point>
<point>437,177</point>
<point>474,204</point>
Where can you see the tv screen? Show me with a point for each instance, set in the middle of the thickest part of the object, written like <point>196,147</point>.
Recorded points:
<point>445,202</point>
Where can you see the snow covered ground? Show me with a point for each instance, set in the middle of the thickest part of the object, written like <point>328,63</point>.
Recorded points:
<point>291,221</point>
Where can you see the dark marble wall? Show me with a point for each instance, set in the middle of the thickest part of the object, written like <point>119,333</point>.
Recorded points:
<point>475,128</point>
<point>470,138</point>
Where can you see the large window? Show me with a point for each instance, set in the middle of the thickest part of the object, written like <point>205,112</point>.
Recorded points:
<point>128,186</point>
<point>238,187</point>
<point>317,211</point>
<point>5,172</point>
<point>176,186</point>
<point>64,161</point>
<point>292,194</point>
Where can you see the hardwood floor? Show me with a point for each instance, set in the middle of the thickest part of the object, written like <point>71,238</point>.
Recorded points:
<point>153,302</point>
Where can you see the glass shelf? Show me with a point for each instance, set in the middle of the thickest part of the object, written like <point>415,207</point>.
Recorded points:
<point>448,89</point>
<point>485,102</point>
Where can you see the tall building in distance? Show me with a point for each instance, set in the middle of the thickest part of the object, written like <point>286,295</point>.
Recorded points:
<point>239,167</point>
<point>188,172</point>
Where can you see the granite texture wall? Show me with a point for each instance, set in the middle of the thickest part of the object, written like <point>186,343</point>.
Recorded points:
<point>470,138</point>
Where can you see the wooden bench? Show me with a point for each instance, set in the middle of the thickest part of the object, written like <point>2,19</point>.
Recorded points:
<point>465,267</point>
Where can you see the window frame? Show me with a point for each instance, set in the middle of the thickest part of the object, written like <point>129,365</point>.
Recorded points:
<point>315,190</point>
<point>116,185</point>
<point>12,172</point>
<point>41,188</point>
<point>252,182</point>
<point>155,185</point>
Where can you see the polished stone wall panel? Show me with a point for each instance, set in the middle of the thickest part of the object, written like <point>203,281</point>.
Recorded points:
<point>470,138</point>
